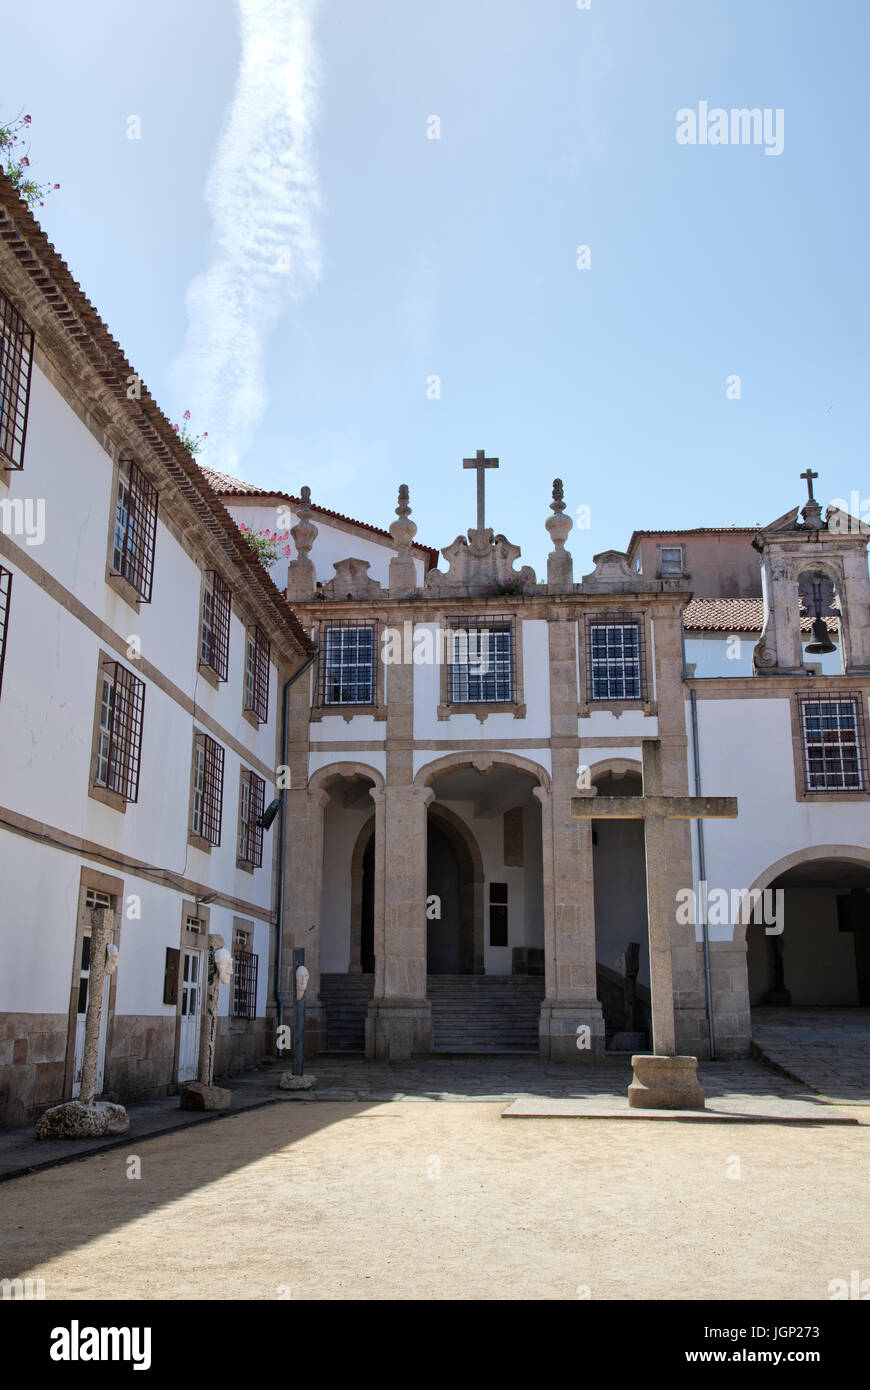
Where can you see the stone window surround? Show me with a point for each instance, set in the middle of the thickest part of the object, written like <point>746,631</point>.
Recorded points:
<point>241,1023</point>
<point>248,866</point>
<point>378,711</point>
<point>114,887</point>
<point>96,790</point>
<point>482,709</point>
<point>647,704</point>
<point>682,573</point>
<point>118,582</point>
<point>861,696</point>
<point>208,672</point>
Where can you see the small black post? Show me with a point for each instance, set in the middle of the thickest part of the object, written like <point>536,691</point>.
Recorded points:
<point>298,1017</point>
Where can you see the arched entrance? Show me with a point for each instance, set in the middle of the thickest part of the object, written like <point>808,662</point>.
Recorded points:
<point>454,935</point>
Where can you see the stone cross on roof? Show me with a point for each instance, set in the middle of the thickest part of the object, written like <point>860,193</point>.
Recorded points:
<point>480,463</point>
<point>809,475</point>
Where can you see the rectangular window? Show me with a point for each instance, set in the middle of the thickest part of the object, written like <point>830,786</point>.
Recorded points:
<point>119,733</point>
<point>244,984</point>
<point>833,744</point>
<point>498,914</point>
<point>208,789</point>
<point>481,661</point>
<point>257,652</point>
<point>251,802</point>
<point>16,360</point>
<point>615,665</point>
<point>135,529</point>
<point>5,595</point>
<point>214,643</point>
<point>672,559</point>
<point>349,664</point>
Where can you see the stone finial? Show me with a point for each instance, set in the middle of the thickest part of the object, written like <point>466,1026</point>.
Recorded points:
<point>304,533</point>
<point>403,530</point>
<point>560,568</point>
<point>301,577</point>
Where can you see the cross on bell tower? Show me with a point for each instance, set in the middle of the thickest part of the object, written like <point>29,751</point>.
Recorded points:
<point>480,463</point>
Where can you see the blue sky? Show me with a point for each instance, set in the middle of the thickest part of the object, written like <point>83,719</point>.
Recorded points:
<point>339,258</point>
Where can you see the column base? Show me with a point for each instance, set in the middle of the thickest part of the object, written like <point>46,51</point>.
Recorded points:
<point>571,1030</point>
<point>665,1083</point>
<point>398,1029</point>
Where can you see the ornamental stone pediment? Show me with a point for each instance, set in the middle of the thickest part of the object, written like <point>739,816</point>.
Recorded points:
<point>481,563</point>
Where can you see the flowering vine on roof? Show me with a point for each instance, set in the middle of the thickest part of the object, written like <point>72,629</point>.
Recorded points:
<point>191,442</point>
<point>268,546</point>
<point>15,162</point>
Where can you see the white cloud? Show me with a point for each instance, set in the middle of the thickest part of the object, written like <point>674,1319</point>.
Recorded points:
<point>262,191</point>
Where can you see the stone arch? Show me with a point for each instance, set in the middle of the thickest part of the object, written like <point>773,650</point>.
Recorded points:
<point>323,778</point>
<point>483,762</point>
<point>356,894</point>
<point>858,853</point>
<point>615,767</point>
<point>467,850</point>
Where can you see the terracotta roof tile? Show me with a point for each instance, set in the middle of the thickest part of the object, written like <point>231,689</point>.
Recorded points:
<point>734,615</point>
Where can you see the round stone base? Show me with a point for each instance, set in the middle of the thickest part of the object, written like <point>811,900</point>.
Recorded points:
<point>665,1083</point>
<point>74,1120</point>
<point>289,1082</point>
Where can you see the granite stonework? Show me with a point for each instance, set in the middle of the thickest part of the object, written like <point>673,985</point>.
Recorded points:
<point>32,1064</point>
<point>75,1120</point>
<point>241,1042</point>
<point>199,1095</point>
<point>140,1064</point>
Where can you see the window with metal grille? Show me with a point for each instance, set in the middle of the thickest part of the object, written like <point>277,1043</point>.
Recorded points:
<point>481,661</point>
<point>244,984</point>
<point>208,789</point>
<point>5,595</point>
<point>214,644</point>
<point>135,529</point>
<point>672,559</point>
<point>348,664</point>
<point>498,914</point>
<point>251,803</point>
<point>615,661</point>
<point>16,360</point>
<point>833,744</point>
<point>257,651</point>
<point>119,735</point>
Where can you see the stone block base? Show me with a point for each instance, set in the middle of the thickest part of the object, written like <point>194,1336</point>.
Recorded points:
<point>74,1120</point>
<point>195,1095</point>
<point>289,1082</point>
<point>571,1031</point>
<point>398,1029</point>
<point>665,1083</point>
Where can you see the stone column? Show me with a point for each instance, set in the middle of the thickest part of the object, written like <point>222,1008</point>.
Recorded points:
<point>399,1021</point>
<point>303,893</point>
<point>208,1032</point>
<point>102,927</point>
<point>571,1003</point>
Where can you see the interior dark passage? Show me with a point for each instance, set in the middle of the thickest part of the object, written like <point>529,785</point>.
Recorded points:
<point>447,950</point>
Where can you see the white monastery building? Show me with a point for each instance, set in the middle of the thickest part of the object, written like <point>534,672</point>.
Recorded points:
<point>422,723</point>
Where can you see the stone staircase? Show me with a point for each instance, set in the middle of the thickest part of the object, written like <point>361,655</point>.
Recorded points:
<point>485,1013</point>
<point>470,1013</point>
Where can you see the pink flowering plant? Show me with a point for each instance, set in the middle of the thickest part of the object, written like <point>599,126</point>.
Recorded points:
<point>192,442</point>
<point>268,546</point>
<point>15,162</point>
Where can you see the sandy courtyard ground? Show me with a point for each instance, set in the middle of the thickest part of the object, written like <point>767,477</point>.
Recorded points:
<point>447,1201</point>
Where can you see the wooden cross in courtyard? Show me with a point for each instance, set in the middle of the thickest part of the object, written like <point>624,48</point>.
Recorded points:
<point>480,463</point>
<point>809,475</point>
<point>654,808</point>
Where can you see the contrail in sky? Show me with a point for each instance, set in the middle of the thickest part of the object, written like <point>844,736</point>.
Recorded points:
<point>262,191</point>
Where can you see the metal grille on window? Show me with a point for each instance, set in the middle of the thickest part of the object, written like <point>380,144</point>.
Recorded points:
<point>615,659</point>
<point>135,529</point>
<point>122,705</point>
<point>253,798</point>
<point>481,661</point>
<point>244,984</point>
<point>348,664</point>
<point>215,637</point>
<point>208,788</point>
<point>257,654</point>
<point>16,360</point>
<point>5,595</point>
<point>833,744</point>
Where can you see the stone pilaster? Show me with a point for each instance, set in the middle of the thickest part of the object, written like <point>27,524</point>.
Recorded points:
<point>571,1003</point>
<point>303,896</point>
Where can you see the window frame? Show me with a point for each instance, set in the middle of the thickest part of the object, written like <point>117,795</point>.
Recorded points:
<point>496,625</point>
<point>252,796</point>
<point>205,821</point>
<point>217,598</point>
<point>256,675</point>
<point>616,620</point>
<point>122,788</point>
<point>807,792</point>
<point>329,628</point>
<point>243,1000</point>
<point>672,573</point>
<point>16,371</point>
<point>131,564</point>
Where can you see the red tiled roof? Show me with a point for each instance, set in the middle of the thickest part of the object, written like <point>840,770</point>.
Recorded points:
<point>80,327</point>
<point>227,486</point>
<point>734,615</point>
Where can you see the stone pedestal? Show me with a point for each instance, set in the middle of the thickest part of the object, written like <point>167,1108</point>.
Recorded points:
<point>571,1030</point>
<point>665,1083</point>
<point>75,1120</point>
<point>398,1029</point>
<point>196,1095</point>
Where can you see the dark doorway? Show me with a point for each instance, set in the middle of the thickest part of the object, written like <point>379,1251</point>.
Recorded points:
<point>447,952</point>
<point>367,910</point>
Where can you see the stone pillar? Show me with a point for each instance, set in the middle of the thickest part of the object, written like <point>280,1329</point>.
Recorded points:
<point>303,890</point>
<point>399,1021</point>
<point>571,1002</point>
<point>208,1031</point>
<point>102,927</point>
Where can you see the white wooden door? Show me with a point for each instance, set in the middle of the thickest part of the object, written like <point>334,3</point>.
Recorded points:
<point>91,899</point>
<point>191,1012</point>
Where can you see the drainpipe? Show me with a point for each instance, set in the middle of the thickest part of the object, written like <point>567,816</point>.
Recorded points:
<point>279,905</point>
<point>702,874</point>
